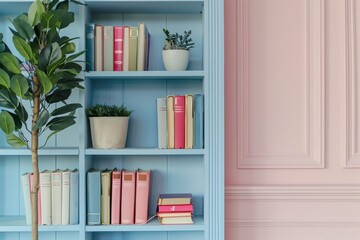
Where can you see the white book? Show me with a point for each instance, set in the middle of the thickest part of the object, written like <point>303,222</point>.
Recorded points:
<point>108,48</point>
<point>56,198</point>
<point>141,47</point>
<point>45,188</point>
<point>65,197</point>
<point>25,179</point>
<point>126,48</point>
<point>99,48</point>
<point>161,117</point>
<point>74,197</point>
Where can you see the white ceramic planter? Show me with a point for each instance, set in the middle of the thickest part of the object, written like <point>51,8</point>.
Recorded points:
<point>109,132</point>
<point>175,59</point>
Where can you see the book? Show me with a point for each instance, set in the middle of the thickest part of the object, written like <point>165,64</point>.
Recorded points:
<point>56,197</point>
<point>126,48</point>
<point>93,197</point>
<point>176,220</point>
<point>90,47</point>
<point>108,48</point>
<point>115,196</point>
<point>39,196</point>
<point>142,47</point>
<point>118,48</point>
<point>105,196</point>
<point>179,122</point>
<point>147,52</point>
<point>45,187</point>
<point>25,180</point>
<point>199,121</point>
<point>128,197</point>
<point>174,198</point>
<point>174,214</point>
<point>189,121</point>
<point>99,48</point>
<point>65,200</point>
<point>161,122</point>
<point>74,197</point>
<point>133,48</point>
<point>175,208</point>
<point>142,196</point>
<point>170,121</point>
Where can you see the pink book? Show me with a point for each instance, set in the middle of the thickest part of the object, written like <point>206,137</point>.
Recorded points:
<point>118,48</point>
<point>128,197</point>
<point>179,121</point>
<point>115,197</point>
<point>142,196</point>
<point>39,196</point>
<point>175,208</point>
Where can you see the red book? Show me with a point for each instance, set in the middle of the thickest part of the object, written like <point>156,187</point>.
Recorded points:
<point>128,197</point>
<point>179,121</point>
<point>115,197</point>
<point>118,48</point>
<point>175,208</point>
<point>142,196</point>
<point>39,196</point>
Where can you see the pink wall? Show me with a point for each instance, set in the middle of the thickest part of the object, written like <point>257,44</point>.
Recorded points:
<point>292,119</point>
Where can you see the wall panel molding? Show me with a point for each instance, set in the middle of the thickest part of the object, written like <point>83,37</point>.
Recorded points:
<point>311,154</point>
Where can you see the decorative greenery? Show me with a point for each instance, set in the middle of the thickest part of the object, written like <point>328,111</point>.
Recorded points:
<point>177,41</point>
<point>102,110</point>
<point>44,77</point>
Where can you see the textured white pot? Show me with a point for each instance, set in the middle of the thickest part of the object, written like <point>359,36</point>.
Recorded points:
<point>175,59</point>
<point>109,132</point>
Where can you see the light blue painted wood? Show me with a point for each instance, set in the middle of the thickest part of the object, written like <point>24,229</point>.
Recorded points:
<point>9,173</point>
<point>9,236</point>
<point>42,152</point>
<point>145,75</point>
<point>144,151</point>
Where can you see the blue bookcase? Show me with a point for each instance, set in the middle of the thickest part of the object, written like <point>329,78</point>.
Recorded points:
<point>198,171</point>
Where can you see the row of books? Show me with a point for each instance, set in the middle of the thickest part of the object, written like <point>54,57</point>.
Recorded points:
<point>175,208</point>
<point>58,197</point>
<point>117,48</point>
<point>181,121</point>
<point>117,196</point>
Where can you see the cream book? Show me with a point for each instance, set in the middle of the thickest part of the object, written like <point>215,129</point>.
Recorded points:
<point>108,48</point>
<point>133,48</point>
<point>25,179</point>
<point>170,122</point>
<point>161,122</point>
<point>126,48</point>
<point>45,187</point>
<point>99,48</point>
<point>141,52</point>
<point>105,196</point>
<point>65,197</point>
<point>56,182</point>
<point>189,121</point>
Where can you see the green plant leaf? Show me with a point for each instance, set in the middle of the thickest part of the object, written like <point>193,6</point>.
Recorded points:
<point>45,82</point>
<point>4,79</point>
<point>70,83</point>
<point>60,123</point>
<point>42,120</point>
<point>22,113</point>
<point>7,123</point>
<point>52,35</point>
<point>8,99</point>
<point>52,4</point>
<point>49,55</point>
<point>66,109</point>
<point>23,27</point>
<point>77,2</point>
<point>23,48</point>
<point>68,48</point>
<point>10,62</point>
<point>58,96</point>
<point>2,47</point>
<point>63,40</point>
<point>63,5</point>
<point>66,19</point>
<point>1,37</point>
<point>54,66</point>
<point>15,141</point>
<point>17,121</point>
<point>50,135</point>
<point>72,68</point>
<point>19,85</point>
<point>35,11</point>
<point>74,56</point>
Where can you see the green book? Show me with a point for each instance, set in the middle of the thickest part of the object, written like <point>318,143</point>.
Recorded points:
<point>133,47</point>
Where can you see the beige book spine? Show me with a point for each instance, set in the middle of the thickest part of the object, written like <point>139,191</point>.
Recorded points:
<point>133,45</point>
<point>99,48</point>
<point>108,48</point>
<point>126,48</point>
<point>189,121</point>
<point>105,197</point>
<point>170,121</point>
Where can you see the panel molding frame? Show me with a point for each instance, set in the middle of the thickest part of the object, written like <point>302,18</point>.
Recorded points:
<point>314,156</point>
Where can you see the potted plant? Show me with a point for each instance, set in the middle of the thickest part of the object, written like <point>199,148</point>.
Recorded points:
<point>176,50</point>
<point>45,77</point>
<point>108,125</point>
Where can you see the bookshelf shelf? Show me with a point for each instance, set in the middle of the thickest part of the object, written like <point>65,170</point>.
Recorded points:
<point>42,152</point>
<point>146,75</point>
<point>144,151</point>
<point>152,226</point>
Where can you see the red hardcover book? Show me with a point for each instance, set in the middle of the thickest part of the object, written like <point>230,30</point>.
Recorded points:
<point>115,197</point>
<point>179,121</point>
<point>118,48</point>
<point>175,208</point>
<point>142,196</point>
<point>39,196</point>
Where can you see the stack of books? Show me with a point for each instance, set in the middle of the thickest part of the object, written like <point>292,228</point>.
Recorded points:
<point>181,121</point>
<point>175,208</point>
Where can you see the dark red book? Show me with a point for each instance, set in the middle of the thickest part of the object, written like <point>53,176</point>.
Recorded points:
<point>118,48</point>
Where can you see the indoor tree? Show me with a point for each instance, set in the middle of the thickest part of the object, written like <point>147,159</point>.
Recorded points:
<point>45,75</point>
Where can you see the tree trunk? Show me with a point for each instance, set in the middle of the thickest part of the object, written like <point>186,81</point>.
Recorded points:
<point>34,159</point>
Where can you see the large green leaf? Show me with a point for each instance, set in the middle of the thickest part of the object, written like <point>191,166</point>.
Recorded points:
<point>63,5</point>
<point>53,3</point>
<point>52,35</point>
<point>66,109</point>
<point>70,83</point>
<point>7,123</point>
<point>23,27</point>
<point>66,19</point>
<point>72,68</point>
<point>4,79</point>
<point>23,48</point>
<point>19,85</point>
<point>10,62</point>
<point>8,99</point>
<point>35,11</point>
<point>2,47</point>
<point>49,55</point>
<point>45,82</point>
<point>63,40</point>
<point>17,121</point>
<point>54,66</point>
<point>42,120</point>
<point>68,48</point>
<point>60,123</point>
<point>58,96</point>
<point>22,113</point>
<point>15,141</point>
<point>74,56</point>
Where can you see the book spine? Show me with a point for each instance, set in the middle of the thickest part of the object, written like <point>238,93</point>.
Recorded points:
<point>118,48</point>
<point>45,186</point>
<point>126,48</point>
<point>175,208</point>
<point>56,197</point>
<point>108,48</point>
<point>189,121</point>
<point>179,122</point>
<point>105,197</point>
<point>199,121</point>
<point>161,118</point>
<point>115,197</point>
<point>65,201</point>
<point>133,48</point>
<point>147,52</point>
<point>141,47</point>
<point>99,48</point>
<point>25,179</point>
<point>128,198</point>
<point>90,46</point>
<point>74,197</point>
<point>93,197</point>
<point>170,121</point>
<point>142,196</point>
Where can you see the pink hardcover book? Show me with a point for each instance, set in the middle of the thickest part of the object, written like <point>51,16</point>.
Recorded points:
<point>118,48</point>
<point>39,196</point>
<point>128,197</point>
<point>175,208</point>
<point>179,121</point>
<point>142,196</point>
<point>115,197</point>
